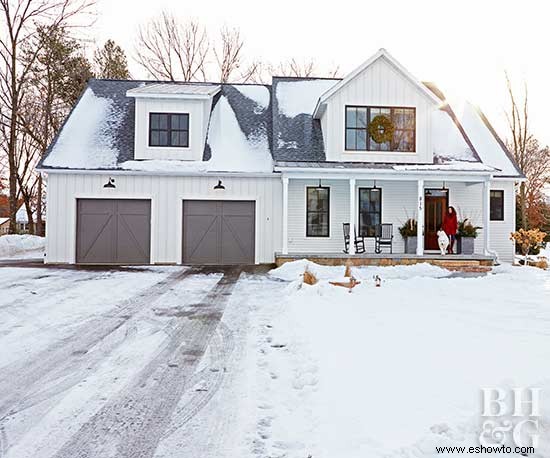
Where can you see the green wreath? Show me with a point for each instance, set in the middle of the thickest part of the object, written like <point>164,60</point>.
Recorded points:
<point>381,129</point>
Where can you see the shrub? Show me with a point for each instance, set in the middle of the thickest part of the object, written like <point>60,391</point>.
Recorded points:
<point>528,239</point>
<point>409,228</point>
<point>467,229</point>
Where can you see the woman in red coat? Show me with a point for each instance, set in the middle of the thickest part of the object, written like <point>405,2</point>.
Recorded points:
<point>450,226</point>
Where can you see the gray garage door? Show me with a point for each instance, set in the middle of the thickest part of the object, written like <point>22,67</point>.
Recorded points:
<point>113,231</point>
<point>218,232</point>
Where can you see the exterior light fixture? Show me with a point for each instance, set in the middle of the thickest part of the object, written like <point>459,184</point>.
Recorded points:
<point>219,185</point>
<point>110,183</point>
<point>444,188</point>
<point>320,184</point>
<point>375,187</point>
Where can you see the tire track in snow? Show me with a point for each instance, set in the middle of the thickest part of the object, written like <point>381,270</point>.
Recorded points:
<point>57,368</point>
<point>210,378</point>
<point>132,424</point>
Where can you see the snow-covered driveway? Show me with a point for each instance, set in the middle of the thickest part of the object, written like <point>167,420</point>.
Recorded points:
<point>205,364</point>
<point>95,363</point>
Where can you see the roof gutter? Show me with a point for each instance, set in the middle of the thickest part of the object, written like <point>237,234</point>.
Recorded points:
<point>121,172</point>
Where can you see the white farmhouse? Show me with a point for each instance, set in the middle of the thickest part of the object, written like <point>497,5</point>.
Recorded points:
<point>198,173</point>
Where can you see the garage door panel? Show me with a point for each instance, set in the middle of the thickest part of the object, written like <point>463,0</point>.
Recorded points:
<point>113,231</point>
<point>237,243</point>
<point>201,239</point>
<point>133,235</point>
<point>218,232</point>
<point>96,243</point>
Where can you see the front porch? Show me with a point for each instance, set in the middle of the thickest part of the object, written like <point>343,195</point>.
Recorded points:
<point>348,199</point>
<point>469,263</point>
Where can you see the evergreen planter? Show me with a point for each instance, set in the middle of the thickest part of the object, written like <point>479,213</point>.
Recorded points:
<point>465,245</point>
<point>410,244</point>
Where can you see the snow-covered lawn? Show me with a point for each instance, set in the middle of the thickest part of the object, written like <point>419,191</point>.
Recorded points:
<point>387,372</point>
<point>291,371</point>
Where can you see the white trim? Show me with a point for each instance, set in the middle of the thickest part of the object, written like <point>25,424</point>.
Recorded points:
<point>170,96</point>
<point>381,53</point>
<point>149,197</point>
<point>352,192</point>
<point>245,197</point>
<point>390,175</point>
<point>284,179</point>
<point>160,173</point>
<point>420,218</point>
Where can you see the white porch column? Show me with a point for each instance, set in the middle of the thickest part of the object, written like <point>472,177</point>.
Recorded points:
<point>420,219</point>
<point>285,215</point>
<point>352,216</point>
<point>486,217</point>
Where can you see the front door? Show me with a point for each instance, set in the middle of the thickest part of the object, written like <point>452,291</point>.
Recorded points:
<point>436,201</point>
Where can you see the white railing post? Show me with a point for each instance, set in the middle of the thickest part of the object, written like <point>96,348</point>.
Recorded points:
<point>352,216</point>
<point>285,214</point>
<point>420,219</point>
<point>486,217</point>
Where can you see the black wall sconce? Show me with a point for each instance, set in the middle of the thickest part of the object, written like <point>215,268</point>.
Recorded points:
<point>219,185</point>
<point>110,183</point>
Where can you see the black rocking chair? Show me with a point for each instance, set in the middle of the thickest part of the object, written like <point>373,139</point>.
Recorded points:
<point>359,242</point>
<point>383,236</point>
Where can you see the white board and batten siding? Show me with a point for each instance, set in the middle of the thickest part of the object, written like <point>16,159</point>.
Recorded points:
<point>380,84</point>
<point>167,194</point>
<point>501,230</point>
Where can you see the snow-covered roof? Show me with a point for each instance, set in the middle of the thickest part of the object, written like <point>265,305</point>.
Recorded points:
<point>87,139</point>
<point>174,89</point>
<point>230,149</point>
<point>21,215</point>
<point>300,96</point>
<point>3,220</point>
<point>261,95</point>
<point>488,145</point>
<point>251,126</point>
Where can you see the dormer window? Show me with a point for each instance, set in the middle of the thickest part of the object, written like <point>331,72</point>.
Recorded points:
<point>359,118</point>
<point>169,130</point>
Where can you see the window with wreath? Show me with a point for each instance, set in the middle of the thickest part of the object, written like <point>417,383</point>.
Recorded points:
<point>380,129</point>
<point>370,211</point>
<point>317,212</point>
<point>169,129</point>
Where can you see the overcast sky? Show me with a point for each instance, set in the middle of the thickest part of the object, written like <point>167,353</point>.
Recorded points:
<point>462,46</point>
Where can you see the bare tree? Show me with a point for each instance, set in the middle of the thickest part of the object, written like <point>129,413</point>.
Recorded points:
<point>171,50</point>
<point>229,57</point>
<point>533,159</point>
<point>21,19</point>
<point>302,69</point>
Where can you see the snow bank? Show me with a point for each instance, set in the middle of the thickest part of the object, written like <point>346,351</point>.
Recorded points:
<point>85,141</point>
<point>231,150</point>
<point>12,246</point>
<point>297,97</point>
<point>292,271</point>
<point>257,93</point>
